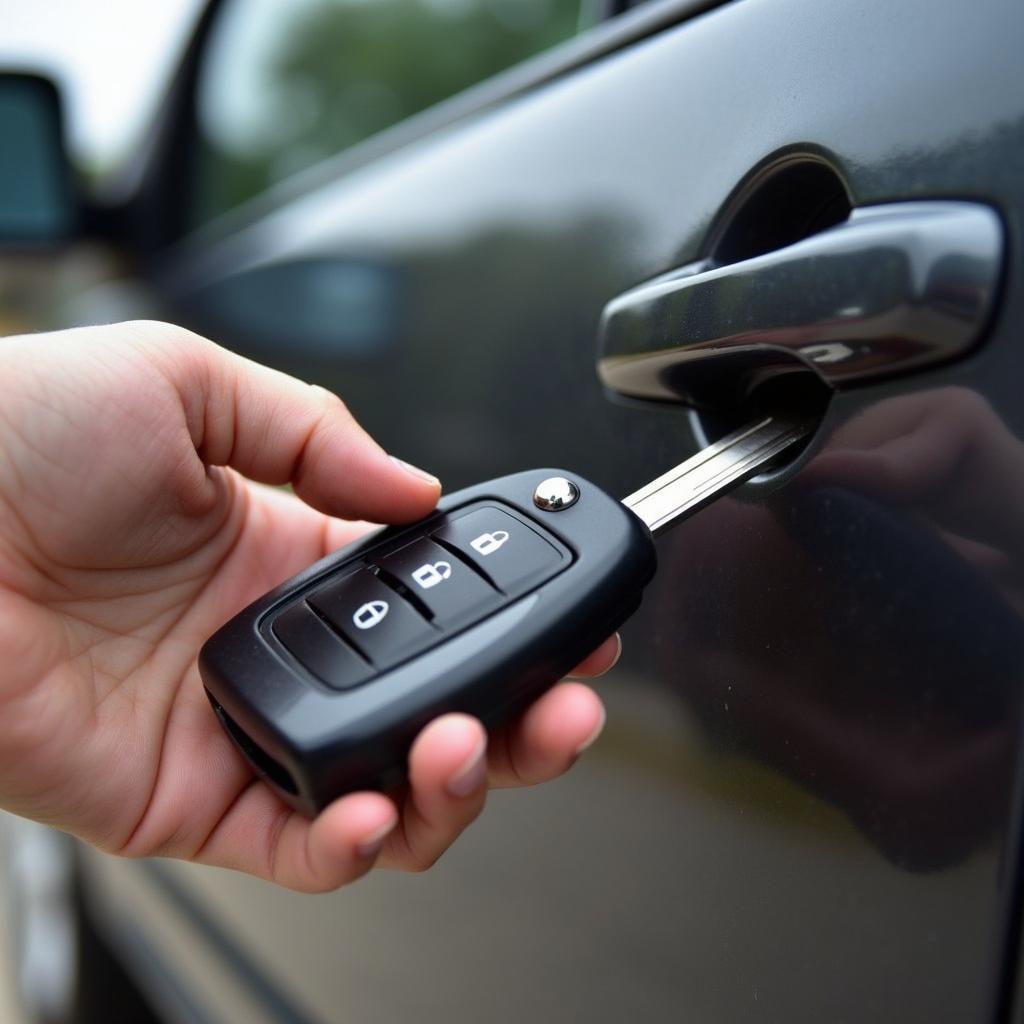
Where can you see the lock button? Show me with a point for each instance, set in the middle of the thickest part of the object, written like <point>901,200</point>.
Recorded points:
<point>453,594</point>
<point>504,549</point>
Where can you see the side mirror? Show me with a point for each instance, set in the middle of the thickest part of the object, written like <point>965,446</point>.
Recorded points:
<point>38,200</point>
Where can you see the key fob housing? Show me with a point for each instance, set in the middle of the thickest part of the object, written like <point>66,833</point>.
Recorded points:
<point>324,682</point>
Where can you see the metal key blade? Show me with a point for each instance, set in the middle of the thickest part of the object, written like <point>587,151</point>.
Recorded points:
<point>715,470</point>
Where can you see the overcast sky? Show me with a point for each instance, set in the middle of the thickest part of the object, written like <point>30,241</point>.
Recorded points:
<point>112,57</point>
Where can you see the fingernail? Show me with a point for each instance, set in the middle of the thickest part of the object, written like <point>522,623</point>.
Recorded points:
<point>420,474</point>
<point>372,844</point>
<point>470,777</point>
<point>604,672</point>
<point>614,660</point>
<point>598,729</point>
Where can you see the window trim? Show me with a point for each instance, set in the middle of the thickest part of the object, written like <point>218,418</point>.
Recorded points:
<point>156,209</point>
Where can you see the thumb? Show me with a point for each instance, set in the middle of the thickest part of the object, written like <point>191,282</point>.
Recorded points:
<point>276,429</point>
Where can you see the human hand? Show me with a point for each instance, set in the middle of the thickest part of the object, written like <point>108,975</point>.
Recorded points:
<point>130,530</point>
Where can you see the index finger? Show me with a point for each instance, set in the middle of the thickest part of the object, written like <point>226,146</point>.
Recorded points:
<point>276,429</point>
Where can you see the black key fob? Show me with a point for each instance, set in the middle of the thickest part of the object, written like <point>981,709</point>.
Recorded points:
<point>324,682</point>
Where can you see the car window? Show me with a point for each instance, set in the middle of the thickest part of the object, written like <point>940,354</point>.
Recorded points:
<point>285,83</point>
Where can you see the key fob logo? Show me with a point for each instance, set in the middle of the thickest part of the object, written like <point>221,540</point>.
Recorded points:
<point>368,615</point>
<point>428,575</point>
<point>488,543</point>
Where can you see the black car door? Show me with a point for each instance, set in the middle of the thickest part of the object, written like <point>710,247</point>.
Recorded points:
<point>804,807</point>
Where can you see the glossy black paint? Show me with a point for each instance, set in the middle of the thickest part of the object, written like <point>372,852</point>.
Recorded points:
<point>832,833</point>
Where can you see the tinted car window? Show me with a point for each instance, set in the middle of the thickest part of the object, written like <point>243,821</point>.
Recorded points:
<point>286,83</point>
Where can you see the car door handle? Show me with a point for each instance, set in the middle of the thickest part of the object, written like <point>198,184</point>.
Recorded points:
<point>893,288</point>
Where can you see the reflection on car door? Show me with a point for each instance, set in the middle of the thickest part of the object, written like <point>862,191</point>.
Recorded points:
<point>803,807</point>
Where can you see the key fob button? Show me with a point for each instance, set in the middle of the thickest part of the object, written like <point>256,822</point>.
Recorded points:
<point>452,592</point>
<point>374,618</point>
<point>313,644</point>
<point>511,555</point>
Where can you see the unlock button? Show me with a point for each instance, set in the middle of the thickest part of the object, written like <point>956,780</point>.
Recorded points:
<point>449,589</point>
<point>373,618</point>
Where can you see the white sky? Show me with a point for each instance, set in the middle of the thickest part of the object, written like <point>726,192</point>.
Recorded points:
<point>112,58</point>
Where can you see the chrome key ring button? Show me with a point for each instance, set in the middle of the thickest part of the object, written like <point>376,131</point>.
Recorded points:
<point>555,494</point>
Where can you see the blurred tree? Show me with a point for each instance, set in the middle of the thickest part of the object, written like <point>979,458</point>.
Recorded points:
<point>347,69</point>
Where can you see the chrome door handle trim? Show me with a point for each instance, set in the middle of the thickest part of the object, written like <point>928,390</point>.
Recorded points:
<point>893,288</point>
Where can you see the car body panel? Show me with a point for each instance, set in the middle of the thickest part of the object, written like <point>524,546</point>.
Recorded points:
<point>804,805</point>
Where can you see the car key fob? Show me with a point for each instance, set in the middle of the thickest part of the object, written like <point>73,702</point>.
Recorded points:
<point>324,682</point>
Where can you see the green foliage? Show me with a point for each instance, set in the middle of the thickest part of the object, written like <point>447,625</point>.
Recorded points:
<point>349,68</point>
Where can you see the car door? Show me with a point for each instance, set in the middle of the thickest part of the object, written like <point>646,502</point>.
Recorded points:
<point>805,805</point>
